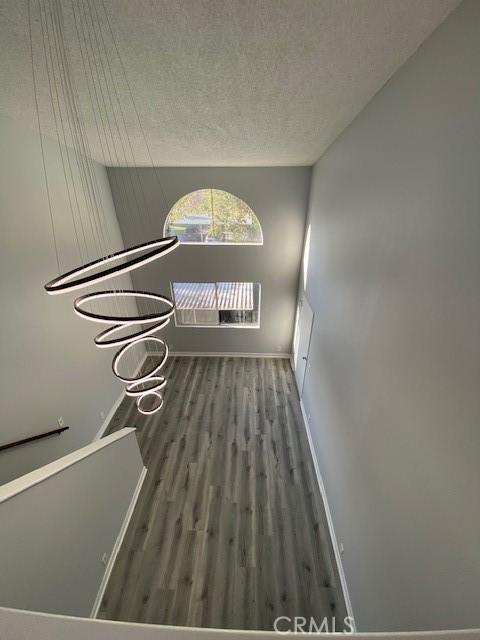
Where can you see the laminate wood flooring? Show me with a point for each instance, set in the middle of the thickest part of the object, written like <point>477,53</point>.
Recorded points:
<point>229,530</point>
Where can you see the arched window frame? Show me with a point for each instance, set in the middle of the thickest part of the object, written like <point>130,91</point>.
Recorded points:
<point>211,192</point>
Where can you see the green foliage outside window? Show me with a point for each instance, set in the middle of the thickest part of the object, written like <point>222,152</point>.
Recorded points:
<point>213,216</point>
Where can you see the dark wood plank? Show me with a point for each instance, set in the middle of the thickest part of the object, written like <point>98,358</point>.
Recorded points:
<point>229,530</point>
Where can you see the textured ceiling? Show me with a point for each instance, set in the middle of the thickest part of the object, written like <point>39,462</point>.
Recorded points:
<point>233,82</point>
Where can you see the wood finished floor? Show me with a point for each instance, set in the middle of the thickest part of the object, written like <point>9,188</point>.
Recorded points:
<point>229,530</point>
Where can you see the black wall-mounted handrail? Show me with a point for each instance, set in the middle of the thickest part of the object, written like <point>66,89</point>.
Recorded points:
<point>32,438</point>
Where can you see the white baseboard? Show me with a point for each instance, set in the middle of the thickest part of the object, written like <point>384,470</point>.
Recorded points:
<point>118,544</point>
<point>336,548</point>
<point>226,354</point>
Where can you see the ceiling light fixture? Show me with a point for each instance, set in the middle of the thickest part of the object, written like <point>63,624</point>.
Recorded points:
<point>155,408</point>
<point>158,382</point>
<point>89,221</point>
<point>102,343</point>
<point>122,320</point>
<point>64,283</point>
<point>120,355</point>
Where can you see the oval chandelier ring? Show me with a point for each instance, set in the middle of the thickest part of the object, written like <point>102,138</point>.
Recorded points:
<point>70,281</point>
<point>155,408</point>
<point>159,382</point>
<point>123,320</point>
<point>124,350</point>
<point>102,342</point>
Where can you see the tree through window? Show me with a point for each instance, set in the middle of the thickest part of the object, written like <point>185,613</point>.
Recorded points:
<point>212,216</point>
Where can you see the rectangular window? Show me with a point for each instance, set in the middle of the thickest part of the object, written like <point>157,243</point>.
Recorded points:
<point>217,304</point>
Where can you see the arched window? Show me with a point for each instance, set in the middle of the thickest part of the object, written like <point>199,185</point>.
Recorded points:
<point>212,216</point>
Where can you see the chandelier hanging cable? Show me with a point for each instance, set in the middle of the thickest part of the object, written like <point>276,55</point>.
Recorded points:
<point>89,222</point>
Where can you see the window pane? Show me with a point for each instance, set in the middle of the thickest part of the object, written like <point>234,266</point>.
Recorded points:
<point>195,295</point>
<point>185,316</point>
<point>217,303</point>
<point>235,295</point>
<point>212,216</point>
<point>205,316</point>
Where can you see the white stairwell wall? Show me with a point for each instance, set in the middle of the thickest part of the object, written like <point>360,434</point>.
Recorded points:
<point>56,524</point>
<point>36,626</point>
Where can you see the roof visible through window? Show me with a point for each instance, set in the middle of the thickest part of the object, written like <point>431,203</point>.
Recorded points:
<point>212,216</point>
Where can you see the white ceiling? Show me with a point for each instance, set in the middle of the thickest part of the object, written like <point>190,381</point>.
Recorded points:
<point>235,82</point>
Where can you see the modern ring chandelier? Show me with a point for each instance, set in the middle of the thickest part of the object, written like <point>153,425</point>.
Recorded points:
<point>134,317</point>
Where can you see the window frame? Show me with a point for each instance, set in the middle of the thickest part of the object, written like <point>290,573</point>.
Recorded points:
<point>234,325</point>
<point>216,243</point>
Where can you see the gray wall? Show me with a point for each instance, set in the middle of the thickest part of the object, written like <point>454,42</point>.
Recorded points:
<point>49,366</point>
<point>55,533</point>
<point>278,196</point>
<point>393,385</point>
